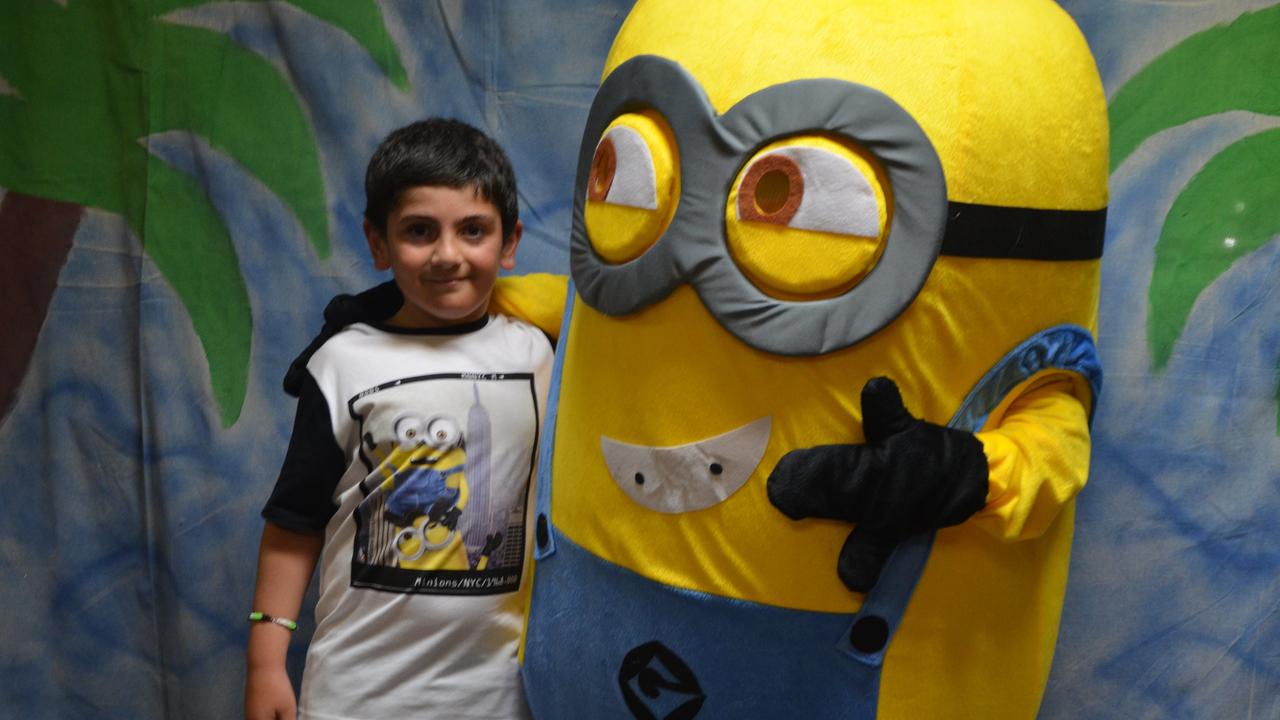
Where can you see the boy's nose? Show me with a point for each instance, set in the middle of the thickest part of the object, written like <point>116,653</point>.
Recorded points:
<point>447,251</point>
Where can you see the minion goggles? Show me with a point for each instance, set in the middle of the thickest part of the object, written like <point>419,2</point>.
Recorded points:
<point>925,224</point>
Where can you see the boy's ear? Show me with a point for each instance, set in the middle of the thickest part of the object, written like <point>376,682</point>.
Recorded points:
<point>377,246</point>
<point>508,257</point>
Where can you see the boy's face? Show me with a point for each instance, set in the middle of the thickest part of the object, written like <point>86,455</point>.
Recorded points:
<point>444,247</point>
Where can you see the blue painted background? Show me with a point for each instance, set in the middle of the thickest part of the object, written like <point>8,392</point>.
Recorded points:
<point>129,528</point>
<point>1173,607</point>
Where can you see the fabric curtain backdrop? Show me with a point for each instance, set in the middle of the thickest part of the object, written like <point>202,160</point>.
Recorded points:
<point>181,192</point>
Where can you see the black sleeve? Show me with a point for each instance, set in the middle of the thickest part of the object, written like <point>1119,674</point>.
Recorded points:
<point>302,500</point>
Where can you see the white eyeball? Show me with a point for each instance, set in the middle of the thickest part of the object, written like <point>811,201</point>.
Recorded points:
<point>442,432</point>
<point>411,431</point>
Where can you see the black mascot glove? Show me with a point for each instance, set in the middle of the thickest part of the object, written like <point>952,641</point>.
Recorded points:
<point>910,476</point>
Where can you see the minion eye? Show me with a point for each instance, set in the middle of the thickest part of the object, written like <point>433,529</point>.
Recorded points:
<point>442,432</point>
<point>632,186</point>
<point>622,171</point>
<point>809,188</point>
<point>807,217</point>
<point>410,431</point>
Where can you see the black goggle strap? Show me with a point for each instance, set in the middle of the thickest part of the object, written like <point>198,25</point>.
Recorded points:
<point>990,231</point>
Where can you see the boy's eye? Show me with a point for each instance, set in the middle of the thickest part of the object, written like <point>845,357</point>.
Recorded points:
<point>418,230</point>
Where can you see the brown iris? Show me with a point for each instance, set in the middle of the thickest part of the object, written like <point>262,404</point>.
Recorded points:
<point>771,190</point>
<point>603,168</point>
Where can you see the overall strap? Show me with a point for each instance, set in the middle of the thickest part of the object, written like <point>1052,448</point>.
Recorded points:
<point>544,534</point>
<point>1062,347</point>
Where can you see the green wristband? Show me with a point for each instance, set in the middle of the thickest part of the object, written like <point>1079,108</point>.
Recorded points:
<point>261,617</point>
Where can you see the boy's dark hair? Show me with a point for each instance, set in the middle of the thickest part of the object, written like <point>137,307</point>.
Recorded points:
<point>442,152</point>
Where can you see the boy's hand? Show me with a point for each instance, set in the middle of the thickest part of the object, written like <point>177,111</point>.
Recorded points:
<point>268,695</point>
<point>286,560</point>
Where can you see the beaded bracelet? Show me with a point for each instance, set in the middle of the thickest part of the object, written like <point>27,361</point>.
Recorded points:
<point>261,617</point>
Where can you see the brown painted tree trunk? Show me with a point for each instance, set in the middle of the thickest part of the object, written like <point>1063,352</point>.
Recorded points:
<point>35,239</point>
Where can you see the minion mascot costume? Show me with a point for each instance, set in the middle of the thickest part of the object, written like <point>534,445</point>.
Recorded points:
<point>872,229</point>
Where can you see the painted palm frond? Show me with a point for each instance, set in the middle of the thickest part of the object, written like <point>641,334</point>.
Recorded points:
<point>241,105</point>
<point>360,19</point>
<point>72,127</point>
<point>89,82</point>
<point>1227,211</point>
<point>1225,68</point>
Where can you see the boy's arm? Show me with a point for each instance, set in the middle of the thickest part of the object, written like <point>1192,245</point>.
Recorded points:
<point>536,298</point>
<point>286,560</point>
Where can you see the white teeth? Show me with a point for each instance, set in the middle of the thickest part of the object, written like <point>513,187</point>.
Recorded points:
<point>682,478</point>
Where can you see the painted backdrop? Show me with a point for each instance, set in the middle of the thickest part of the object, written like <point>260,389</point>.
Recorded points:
<point>180,193</point>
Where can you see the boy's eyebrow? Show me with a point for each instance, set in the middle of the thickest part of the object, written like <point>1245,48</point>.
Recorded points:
<point>417,217</point>
<point>477,217</point>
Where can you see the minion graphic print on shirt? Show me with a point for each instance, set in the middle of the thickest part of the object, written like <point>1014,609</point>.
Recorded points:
<point>440,512</point>
<point>412,452</point>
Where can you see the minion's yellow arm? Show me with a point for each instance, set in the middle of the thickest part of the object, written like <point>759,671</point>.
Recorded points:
<point>389,463</point>
<point>536,298</point>
<point>1037,448</point>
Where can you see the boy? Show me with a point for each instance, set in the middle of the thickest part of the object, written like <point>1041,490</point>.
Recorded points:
<point>408,474</point>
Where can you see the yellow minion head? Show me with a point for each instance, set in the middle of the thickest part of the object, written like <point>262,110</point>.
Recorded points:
<point>775,205</point>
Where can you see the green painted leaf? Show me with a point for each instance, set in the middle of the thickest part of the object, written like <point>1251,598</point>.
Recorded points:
<point>72,134</point>
<point>1225,68</point>
<point>361,19</point>
<point>239,103</point>
<point>94,78</point>
<point>1227,211</point>
<point>187,240</point>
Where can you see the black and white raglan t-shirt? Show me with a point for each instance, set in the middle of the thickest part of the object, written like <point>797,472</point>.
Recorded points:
<point>414,450</point>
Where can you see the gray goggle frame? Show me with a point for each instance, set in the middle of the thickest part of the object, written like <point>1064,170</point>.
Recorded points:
<point>712,150</point>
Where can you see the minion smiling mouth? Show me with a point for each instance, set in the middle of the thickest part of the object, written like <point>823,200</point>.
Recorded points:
<point>692,476</point>
<point>429,460</point>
